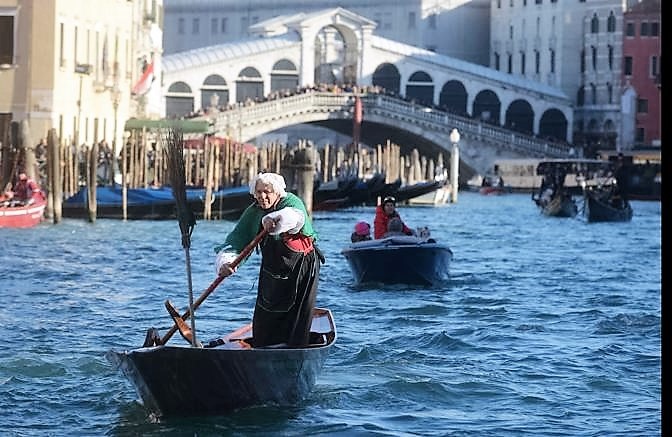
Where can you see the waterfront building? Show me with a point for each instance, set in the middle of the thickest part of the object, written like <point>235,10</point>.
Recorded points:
<point>456,28</point>
<point>82,67</point>
<point>641,75</point>
<point>574,45</point>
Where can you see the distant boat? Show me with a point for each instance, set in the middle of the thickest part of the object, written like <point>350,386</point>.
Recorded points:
<point>604,207</point>
<point>399,260</point>
<point>438,197</point>
<point>227,373</point>
<point>156,203</point>
<point>17,215</point>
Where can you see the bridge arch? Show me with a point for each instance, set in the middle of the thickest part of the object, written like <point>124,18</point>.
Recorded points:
<point>284,75</point>
<point>336,54</point>
<point>214,85</point>
<point>249,85</point>
<point>179,99</point>
<point>420,87</point>
<point>387,77</point>
<point>487,106</point>
<point>553,124</point>
<point>453,97</point>
<point>520,116</point>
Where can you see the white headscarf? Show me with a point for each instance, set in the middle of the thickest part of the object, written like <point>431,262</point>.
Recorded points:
<point>273,179</point>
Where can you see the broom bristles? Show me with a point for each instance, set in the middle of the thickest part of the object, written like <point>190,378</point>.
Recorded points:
<point>176,173</point>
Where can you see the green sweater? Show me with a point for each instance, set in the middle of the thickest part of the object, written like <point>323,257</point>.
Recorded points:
<point>249,224</point>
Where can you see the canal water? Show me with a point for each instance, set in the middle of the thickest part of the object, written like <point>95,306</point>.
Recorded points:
<point>547,327</point>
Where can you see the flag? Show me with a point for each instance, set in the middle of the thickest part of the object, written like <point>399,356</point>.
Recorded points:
<point>145,82</point>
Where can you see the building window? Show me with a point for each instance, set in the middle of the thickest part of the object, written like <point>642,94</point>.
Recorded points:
<point>195,25</point>
<point>510,32</point>
<point>537,61</point>
<point>639,135</point>
<point>610,92</point>
<point>593,94</point>
<point>610,57</point>
<point>593,51</point>
<point>7,39</point>
<point>222,25</point>
<point>595,24</point>
<point>432,21</point>
<point>411,20</point>
<point>583,61</point>
<point>654,29</point>
<point>627,65</point>
<point>497,66</point>
<point>653,67</point>
<point>510,64</point>
<point>537,2</point>
<point>61,46</point>
<point>213,25</point>
<point>180,26</point>
<point>522,63</point>
<point>644,28</point>
<point>510,3</point>
<point>642,106</point>
<point>552,61</point>
<point>611,22</point>
<point>630,29</point>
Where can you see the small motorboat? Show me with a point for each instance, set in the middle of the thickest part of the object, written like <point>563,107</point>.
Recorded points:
<point>19,215</point>
<point>400,259</point>
<point>227,373</point>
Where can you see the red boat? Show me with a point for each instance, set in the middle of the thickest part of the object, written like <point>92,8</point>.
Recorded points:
<point>14,215</point>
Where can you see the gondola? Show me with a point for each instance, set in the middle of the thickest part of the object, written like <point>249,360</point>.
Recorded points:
<point>400,259</point>
<point>604,205</point>
<point>561,180</point>
<point>156,203</point>
<point>227,373</point>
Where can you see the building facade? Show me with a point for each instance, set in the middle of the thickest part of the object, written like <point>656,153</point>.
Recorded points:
<point>641,75</point>
<point>74,65</point>
<point>442,26</point>
<point>576,45</point>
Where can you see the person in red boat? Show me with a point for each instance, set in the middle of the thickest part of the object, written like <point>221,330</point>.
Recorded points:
<point>26,190</point>
<point>384,213</point>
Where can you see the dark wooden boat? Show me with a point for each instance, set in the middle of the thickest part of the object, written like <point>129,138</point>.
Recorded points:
<point>155,203</point>
<point>555,195</point>
<point>17,215</point>
<point>560,205</point>
<point>227,373</point>
<point>399,260</point>
<point>603,205</point>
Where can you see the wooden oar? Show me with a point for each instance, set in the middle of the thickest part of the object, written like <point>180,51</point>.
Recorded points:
<point>243,254</point>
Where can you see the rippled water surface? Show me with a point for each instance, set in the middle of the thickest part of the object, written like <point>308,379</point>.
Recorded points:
<point>547,327</point>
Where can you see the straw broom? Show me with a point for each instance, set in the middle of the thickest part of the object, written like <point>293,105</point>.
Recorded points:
<point>185,216</point>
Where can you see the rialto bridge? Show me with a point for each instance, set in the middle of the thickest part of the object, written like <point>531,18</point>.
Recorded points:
<point>426,95</point>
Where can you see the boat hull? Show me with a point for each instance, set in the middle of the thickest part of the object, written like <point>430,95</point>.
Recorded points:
<point>598,210</point>
<point>562,206</point>
<point>22,216</point>
<point>188,381</point>
<point>399,260</point>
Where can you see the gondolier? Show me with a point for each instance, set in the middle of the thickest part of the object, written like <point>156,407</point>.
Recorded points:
<point>290,265</point>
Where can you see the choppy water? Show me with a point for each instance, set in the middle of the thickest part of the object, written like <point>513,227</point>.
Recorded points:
<point>547,327</point>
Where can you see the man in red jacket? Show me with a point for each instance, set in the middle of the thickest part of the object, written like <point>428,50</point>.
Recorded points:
<point>26,189</point>
<point>384,213</point>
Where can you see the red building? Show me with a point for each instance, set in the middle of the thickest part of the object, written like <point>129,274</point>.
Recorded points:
<point>641,73</point>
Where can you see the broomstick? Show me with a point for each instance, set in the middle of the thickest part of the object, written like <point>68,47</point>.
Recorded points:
<point>185,216</point>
